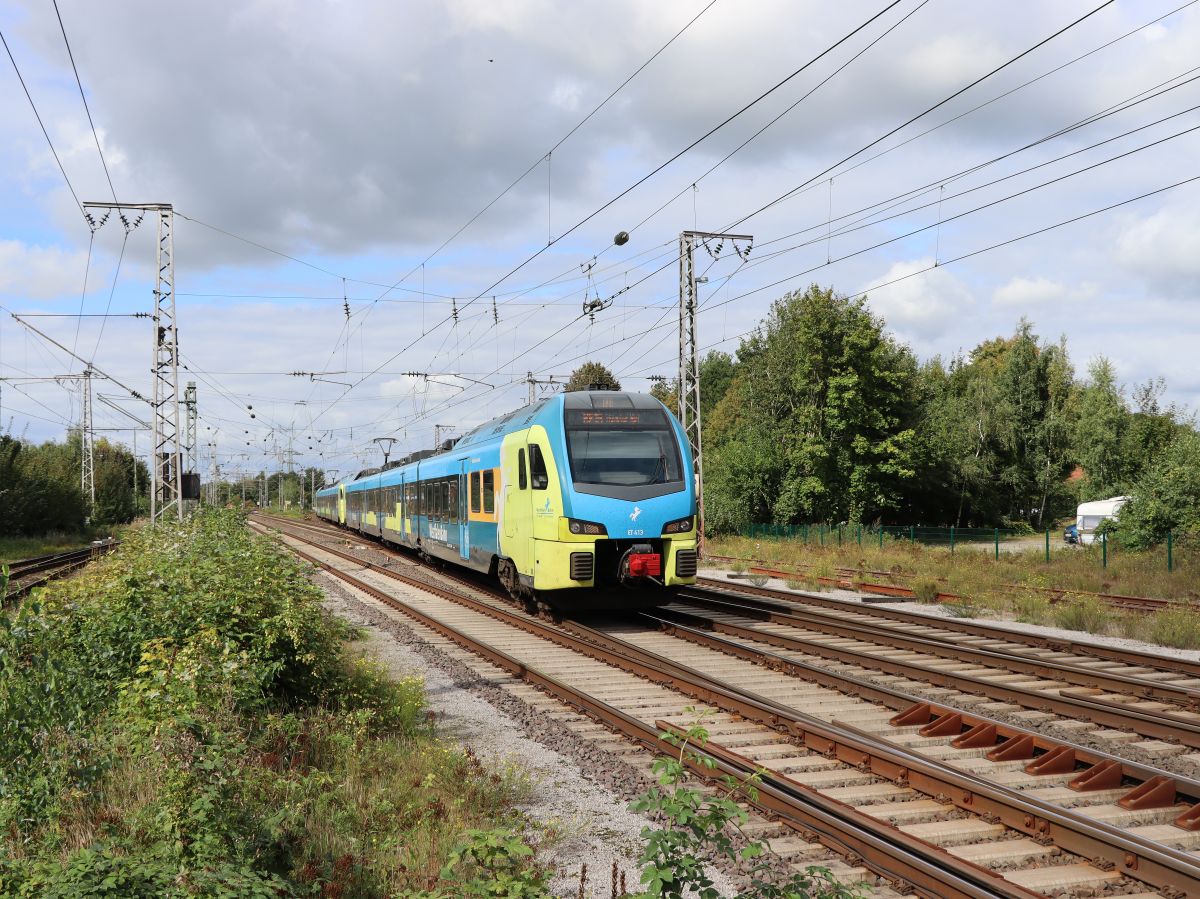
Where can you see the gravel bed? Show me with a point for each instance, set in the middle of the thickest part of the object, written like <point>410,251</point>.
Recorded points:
<point>580,791</point>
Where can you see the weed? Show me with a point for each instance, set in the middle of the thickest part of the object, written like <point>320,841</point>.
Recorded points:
<point>1178,627</point>
<point>961,610</point>
<point>759,580</point>
<point>1088,614</point>
<point>925,590</point>
<point>696,827</point>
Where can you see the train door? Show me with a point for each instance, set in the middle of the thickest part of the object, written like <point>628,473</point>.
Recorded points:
<point>518,503</point>
<point>464,526</point>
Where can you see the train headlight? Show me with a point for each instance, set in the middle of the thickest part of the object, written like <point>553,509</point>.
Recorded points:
<point>681,526</point>
<point>586,528</point>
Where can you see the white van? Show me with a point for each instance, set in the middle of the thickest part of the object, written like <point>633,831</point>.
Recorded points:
<point>1089,516</point>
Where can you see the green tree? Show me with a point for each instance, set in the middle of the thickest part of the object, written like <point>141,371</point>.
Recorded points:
<point>824,398</point>
<point>1166,497</point>
<point>1100,433</point>
<point>592,374</point>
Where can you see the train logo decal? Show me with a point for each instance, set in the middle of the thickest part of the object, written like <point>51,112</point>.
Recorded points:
<point>633,516</point>
<point>544,509</point>
<point>439,532</point>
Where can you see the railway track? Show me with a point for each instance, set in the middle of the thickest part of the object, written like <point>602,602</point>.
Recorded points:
<point>1008,809</point>
<point>27,574</point>
<point>951,629</point>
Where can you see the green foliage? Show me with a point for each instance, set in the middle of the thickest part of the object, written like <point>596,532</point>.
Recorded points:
<point>491,863</point>
<point>1166,498</point>
<point>592,374</point>
<point>696,829</point>
<point>183,720</point>
<point>815,424</point>
<point>40,490</point>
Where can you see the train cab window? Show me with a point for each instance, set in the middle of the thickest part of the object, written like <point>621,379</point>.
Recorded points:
<point>537,468</point>
<point>489,491</point>
<point>522,481</point>
<point>476,503</point>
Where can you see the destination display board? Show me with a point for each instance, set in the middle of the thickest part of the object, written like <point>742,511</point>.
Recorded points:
<point>627,419</point>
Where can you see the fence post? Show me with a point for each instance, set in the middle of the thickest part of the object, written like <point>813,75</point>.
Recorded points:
<point>821,533</point>
<point>1170,561</point>
<point>951,539</point>
<point>839,533</point>
<point>1047,544</point>
<point>997,544</point>
<point>1104,549</point>
<point>881,536</point>
<point>912,534</point>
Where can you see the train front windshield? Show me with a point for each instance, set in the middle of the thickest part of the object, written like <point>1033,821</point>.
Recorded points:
<point>622,448</point>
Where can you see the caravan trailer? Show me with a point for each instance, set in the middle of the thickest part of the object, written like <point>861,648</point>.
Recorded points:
<point>1089,516</point>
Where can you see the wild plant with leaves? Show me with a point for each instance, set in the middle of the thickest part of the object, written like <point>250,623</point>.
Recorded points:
<point>184,719</point>
<point>698,829</point>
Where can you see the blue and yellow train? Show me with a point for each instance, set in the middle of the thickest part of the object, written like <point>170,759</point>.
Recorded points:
<point>566,501</point>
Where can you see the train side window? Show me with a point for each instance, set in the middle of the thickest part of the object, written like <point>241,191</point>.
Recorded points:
<point>453,503</point>
<point>489,491</point>
<point>476,503</point>
<point>537,468</point>
<point>522,481</point>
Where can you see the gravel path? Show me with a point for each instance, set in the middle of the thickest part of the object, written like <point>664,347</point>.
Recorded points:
<point>581,793</point>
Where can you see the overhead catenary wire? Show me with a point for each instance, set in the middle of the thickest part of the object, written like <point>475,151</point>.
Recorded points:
<point>463,398</point>
<point>83,97</point>
<point>730,118</point>
<point>938,105</point>
<point>41,124</point>
<point>852,155</point>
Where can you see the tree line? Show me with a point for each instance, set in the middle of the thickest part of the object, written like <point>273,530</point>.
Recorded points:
<point>822,416</point>
<point>40,489</point>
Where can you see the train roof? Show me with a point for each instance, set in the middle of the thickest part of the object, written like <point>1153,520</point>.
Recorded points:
<point>577,399</point>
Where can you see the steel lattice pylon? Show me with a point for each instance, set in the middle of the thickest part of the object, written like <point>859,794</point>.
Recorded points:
<point>167,475</point>
<point>87,445</point>
<point>689,353</point>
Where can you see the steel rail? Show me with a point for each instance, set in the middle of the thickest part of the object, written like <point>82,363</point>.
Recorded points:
<point>1129,685</point>
<point>1133,855</point>
<point>56,565</point>
<point>886,850</point>
<point>934,717</point>
<point>784,600</point>
<point>920,711</point>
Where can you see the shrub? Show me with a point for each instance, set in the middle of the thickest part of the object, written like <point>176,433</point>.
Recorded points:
<point>184,719</point>
<point>925,590</point>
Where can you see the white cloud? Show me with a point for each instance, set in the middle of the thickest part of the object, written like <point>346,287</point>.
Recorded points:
<point>922,306</point>
<point>1164,248</point>
<point>1039,291</point>
<point>39,273</point>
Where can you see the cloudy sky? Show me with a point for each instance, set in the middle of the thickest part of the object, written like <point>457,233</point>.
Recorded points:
<point>358,138</point>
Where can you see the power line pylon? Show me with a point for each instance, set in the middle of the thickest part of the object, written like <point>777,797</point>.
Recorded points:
<point>190,454</point>
<point>689,352</point>
<point>166,470</point>
<point>87,445</point>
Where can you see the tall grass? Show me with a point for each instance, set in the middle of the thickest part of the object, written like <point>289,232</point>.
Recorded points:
<point>1019,585</point>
